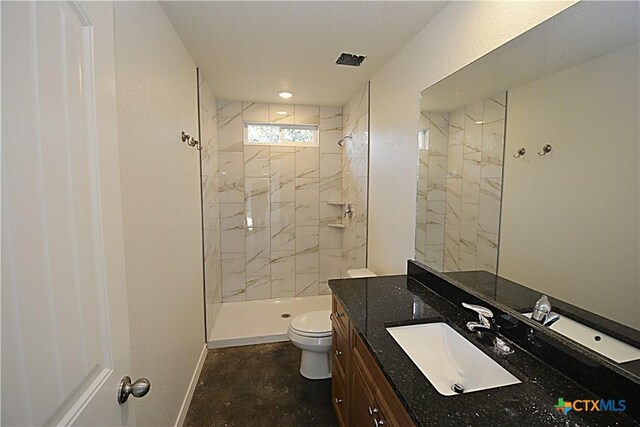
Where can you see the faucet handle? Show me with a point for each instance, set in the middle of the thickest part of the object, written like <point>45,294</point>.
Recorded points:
<point>482,311</point>
<point>484,314</point>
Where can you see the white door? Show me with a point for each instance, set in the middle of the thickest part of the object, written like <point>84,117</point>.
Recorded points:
<point>65,332</point>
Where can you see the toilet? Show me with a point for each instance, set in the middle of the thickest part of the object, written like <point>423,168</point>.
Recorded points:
<point>311,333</point>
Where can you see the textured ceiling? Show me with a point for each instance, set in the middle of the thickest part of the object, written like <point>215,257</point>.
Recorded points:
<point>251,50</point>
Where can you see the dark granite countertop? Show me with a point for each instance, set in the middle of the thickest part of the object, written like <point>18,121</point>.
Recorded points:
<point>376,303</point>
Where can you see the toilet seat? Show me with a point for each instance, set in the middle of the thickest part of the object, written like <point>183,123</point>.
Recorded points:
<point>314,324</point>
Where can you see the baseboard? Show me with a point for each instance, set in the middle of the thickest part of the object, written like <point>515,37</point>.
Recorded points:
<point>192,387</point>
<point>237,342</point>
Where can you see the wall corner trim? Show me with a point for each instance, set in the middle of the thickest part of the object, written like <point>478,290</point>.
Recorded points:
<point>184,408</point>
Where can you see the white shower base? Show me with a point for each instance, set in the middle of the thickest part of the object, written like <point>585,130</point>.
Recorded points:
<point>258,322</point>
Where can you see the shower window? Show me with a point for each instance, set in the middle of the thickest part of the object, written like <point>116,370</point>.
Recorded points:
<point>280,134</point>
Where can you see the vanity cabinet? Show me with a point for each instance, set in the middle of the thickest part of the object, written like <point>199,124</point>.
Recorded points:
<point>361,395</point>
<point>340,362</point>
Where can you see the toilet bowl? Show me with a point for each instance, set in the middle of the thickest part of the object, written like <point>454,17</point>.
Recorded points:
<point>311,333</point>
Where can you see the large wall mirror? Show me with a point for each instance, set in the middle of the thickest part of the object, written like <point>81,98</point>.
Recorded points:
<point>529,164</point>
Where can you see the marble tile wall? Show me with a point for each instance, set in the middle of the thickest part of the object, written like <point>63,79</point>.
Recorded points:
<point>460,161</point>
<point>275,238</point>
<point>355,173</point>
<point>210,204</point>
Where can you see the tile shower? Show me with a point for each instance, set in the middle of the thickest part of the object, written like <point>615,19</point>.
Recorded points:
<point>460,161</point>
<point>277,233</point>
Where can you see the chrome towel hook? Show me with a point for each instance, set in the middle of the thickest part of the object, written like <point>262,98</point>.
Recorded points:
<point>185,136</point>
<point>545,150</point>
<point>190,141</point>
<point>521,153</point>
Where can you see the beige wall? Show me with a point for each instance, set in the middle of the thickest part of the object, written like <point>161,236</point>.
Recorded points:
<point>156,96</point>
<point>461,33</point>
<point>570,219</point>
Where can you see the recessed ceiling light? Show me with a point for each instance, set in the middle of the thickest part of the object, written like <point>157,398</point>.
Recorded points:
<point>285,94</point>
<point>282,113</point>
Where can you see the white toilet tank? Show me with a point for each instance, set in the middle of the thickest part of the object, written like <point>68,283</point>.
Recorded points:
<point>360,272</point>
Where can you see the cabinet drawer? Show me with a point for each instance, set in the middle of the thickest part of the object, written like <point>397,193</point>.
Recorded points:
<point>339,316</point>
<point>340,350</point>
<point>339,395</point>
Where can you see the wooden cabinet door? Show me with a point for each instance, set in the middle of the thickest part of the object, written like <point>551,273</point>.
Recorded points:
<point>339,396</point>
<point>361,399</point>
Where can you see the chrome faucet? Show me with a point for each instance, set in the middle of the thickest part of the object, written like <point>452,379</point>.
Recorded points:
<point>485,317</point>
<point>486,324</point>
<point>542,312</point>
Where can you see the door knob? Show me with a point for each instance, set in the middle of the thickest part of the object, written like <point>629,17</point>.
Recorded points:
<point>140,388</point>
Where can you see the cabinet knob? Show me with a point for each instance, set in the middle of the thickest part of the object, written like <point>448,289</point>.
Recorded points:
<point>377,422</point>
<point>338,400</point>
<point>373,410</point>
<point>338,353</point>
<point>339,315</point>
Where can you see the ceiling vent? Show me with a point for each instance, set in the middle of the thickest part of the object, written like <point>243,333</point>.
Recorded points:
<point>350,59</point>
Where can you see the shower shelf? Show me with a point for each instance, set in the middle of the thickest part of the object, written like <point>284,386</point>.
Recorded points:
<point>337,225</point>
<point>336,203</point>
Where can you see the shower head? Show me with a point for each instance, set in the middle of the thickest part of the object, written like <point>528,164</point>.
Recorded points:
<point>344,139</point>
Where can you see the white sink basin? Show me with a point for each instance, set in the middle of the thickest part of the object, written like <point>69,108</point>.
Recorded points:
<point>447,358</point>
<point>607,346</point>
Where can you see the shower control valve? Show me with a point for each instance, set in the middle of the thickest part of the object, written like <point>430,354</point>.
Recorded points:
<point>349,211</point>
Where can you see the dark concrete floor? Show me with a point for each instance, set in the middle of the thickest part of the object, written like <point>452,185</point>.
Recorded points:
<point>259,385</point>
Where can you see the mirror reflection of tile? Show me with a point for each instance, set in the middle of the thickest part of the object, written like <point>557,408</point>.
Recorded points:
<point>459,186</point>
